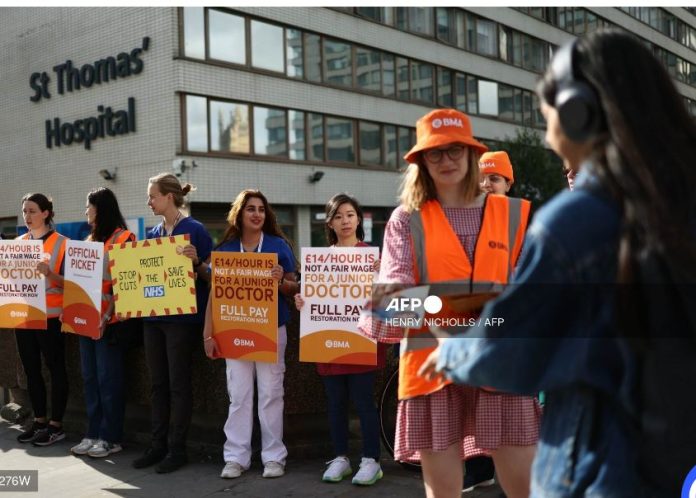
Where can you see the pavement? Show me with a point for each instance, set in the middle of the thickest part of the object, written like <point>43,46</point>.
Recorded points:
<point>63,475</point>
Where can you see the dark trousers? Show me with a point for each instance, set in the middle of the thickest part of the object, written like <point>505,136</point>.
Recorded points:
<point>102,371</point>
<point>360,389</point>
<point>50,343</point>
<point>168,350</point>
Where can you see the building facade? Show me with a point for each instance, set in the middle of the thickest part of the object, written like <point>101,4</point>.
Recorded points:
<point>300,103</point>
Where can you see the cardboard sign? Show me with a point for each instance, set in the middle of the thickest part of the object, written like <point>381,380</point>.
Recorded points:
<point>245,305</point>
<point>336,283</point>
<point>82,290</point>
<point>22,286</point>
<point>152,278</point>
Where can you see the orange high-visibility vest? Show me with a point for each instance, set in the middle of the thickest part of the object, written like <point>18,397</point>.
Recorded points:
<point>439,258</point>
<point>55,246</point>
<point>119,236</point>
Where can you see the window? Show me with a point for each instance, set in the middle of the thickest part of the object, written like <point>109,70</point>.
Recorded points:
<point>527,117</point>
<point>270,132</point>
<point>472,95</point>
<point>316,137</point>
<point>229,127</point>
<point>460,28</point>
<point>422,82</point>
<point>388,81</point>
<point>194,32</point>
<point>420,20</point>
<point>368,69</point>
<point>488,97</point>
<point>8,227</point>
<point>196,124</point>
<point>535,55</point>
<point>294,53</point>
<point>340,142</point>
<point>486,38</point>
<point>444,26</point>
<point>389,147</point>
<point>267,46</point>
<point>370,143</point>
<point>312,50</point>
<point>405,142</point>
<point>505,102</point>
<point>402,79</point>
<point>536,111</point>
<point>296,134</point>
<point>374,13</point>
<point>338,63</point>
<point>444,87</point>
<point>460,92</point>
<point>517,104</point>
<point>227,38</point>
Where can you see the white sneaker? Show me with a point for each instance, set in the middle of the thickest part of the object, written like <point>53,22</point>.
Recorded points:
<point>83,446</point>
<point>369,473</point>
<point>339,468</point>
<point>232,470</point>
<point>103,449</point>
<point>273,469</point>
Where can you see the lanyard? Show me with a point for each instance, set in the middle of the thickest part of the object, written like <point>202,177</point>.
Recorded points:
<point>176,222</point>
<point>258,248</point>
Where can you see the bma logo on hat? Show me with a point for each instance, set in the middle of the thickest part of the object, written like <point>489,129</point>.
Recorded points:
<point>486,164</point>
<point>437,123</point>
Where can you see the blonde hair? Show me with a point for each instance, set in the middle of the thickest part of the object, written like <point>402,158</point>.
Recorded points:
<point>417,186</point>
<point>169,184</point>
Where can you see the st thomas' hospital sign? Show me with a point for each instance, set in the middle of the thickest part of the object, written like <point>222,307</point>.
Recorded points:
<point>70,78</point>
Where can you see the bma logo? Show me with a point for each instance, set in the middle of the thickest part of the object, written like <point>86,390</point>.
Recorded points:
<point>80,321</point>
<point>497,245</point>
<point>689,487</point>
<point>431,304</point>
<point>486,164</point>
<point>19,314</point>
<point>243,342</point>
<point>337,344</point>
<point>437,123</point>
<point>154,291</point>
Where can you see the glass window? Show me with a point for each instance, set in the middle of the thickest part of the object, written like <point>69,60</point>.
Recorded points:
<point>229,127</point>
<point>196,123</point>
<point>536,112</point>
<point>270,132</point>
<point>460,92</point>
<point>488,97</point>
<point>293,53</point>
<point>405,144</point>
<point>472,95</point>
<point>471,32</point>
<point>340,142</point>
<point>316,137</point>
<point>486,38</point>
<point>444,87</point>
<point>194,32</point>
<point>374,13</point>
<point>267,46</point>
<point>389,147</point>
<point>527,109</point>
<point>516,48</point>
<point>504,38</point>
<point>296,135</point>
<point>422,82</point>
<point>388,81</point>
<point>401,18</point>
<point>460,28</point>
<point>368,69</point>
<point>505,103</point>
<point>533,54</point>
<point>312,50</point>
<point>579,21</point>
<point>420,20</point>
<point>517,104</point>
<point>370,143</point>
<point>338,63</point>
<point>402,79</point>
<point>444,28</point>
<point>591,21</point>
<point>226,37</point>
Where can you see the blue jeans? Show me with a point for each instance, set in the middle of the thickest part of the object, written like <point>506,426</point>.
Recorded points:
<point>102,371</point>
<point>359,388</point>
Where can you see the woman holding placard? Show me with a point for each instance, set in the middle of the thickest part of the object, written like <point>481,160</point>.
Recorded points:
<point>169,341</point>
<point>37,211</point>
<point>253,228</point>
<point>102,359</point>
<point>344,228</point>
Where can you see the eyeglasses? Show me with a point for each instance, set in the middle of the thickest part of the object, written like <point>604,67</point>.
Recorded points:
<point>435,155</point>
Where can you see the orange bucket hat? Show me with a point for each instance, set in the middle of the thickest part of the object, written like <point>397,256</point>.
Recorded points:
<point>497,162</point>
<point>443,127</point>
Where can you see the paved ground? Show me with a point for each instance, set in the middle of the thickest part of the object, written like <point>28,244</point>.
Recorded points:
<point>63,475</point>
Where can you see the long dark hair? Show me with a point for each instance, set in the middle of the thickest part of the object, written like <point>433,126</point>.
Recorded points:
<point>45,204</point>
<point>332,206</point>
<point>234,217</point>
<point>645,153</point>
<point>108,217</point>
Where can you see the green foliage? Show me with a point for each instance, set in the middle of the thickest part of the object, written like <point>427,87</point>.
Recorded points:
<point>538,171</point>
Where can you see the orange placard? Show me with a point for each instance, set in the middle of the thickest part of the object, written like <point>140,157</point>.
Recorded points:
<point>245,305</point>
<point>22,286</point>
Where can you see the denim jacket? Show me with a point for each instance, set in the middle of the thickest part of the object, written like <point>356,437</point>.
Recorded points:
<point>557,337</point>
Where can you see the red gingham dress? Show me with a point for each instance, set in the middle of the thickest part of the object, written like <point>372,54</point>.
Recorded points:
<point>480,420</point>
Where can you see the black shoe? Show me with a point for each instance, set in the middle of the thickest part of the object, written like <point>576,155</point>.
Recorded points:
<point>150,457</point>
<point>173,461</point>
<point>480,473</point>
<point>48,436</point>
<point>30,434</point>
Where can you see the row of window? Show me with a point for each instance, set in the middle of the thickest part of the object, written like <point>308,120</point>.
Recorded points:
<point>666,23</point>
<point>210,33</point>
<point>465,30</point>
<point>565,18</point>
<point>690,105</point>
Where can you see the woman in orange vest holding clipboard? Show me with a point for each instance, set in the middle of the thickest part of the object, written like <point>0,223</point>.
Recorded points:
<point>446,232</point>
<point>37,210</point>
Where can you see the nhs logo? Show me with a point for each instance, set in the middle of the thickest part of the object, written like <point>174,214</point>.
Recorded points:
<point>154,291</point>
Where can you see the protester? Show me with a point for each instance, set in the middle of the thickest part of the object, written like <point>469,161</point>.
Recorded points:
<point>170,340</point>
<point>617,421</point>
<point>37,210</point>
<point>253,228</point>
<point>431,238</point>
<point>102,358</point>
<point>344,228</point>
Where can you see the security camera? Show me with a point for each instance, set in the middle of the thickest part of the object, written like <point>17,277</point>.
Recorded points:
<point>178,166</point>
<point>107,174</point>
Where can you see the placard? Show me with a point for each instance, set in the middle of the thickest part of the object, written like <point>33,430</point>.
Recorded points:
<point>82,289</point>
<point>22,286</point>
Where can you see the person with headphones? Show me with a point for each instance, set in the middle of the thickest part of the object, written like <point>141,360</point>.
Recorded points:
<point>615,117</point>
